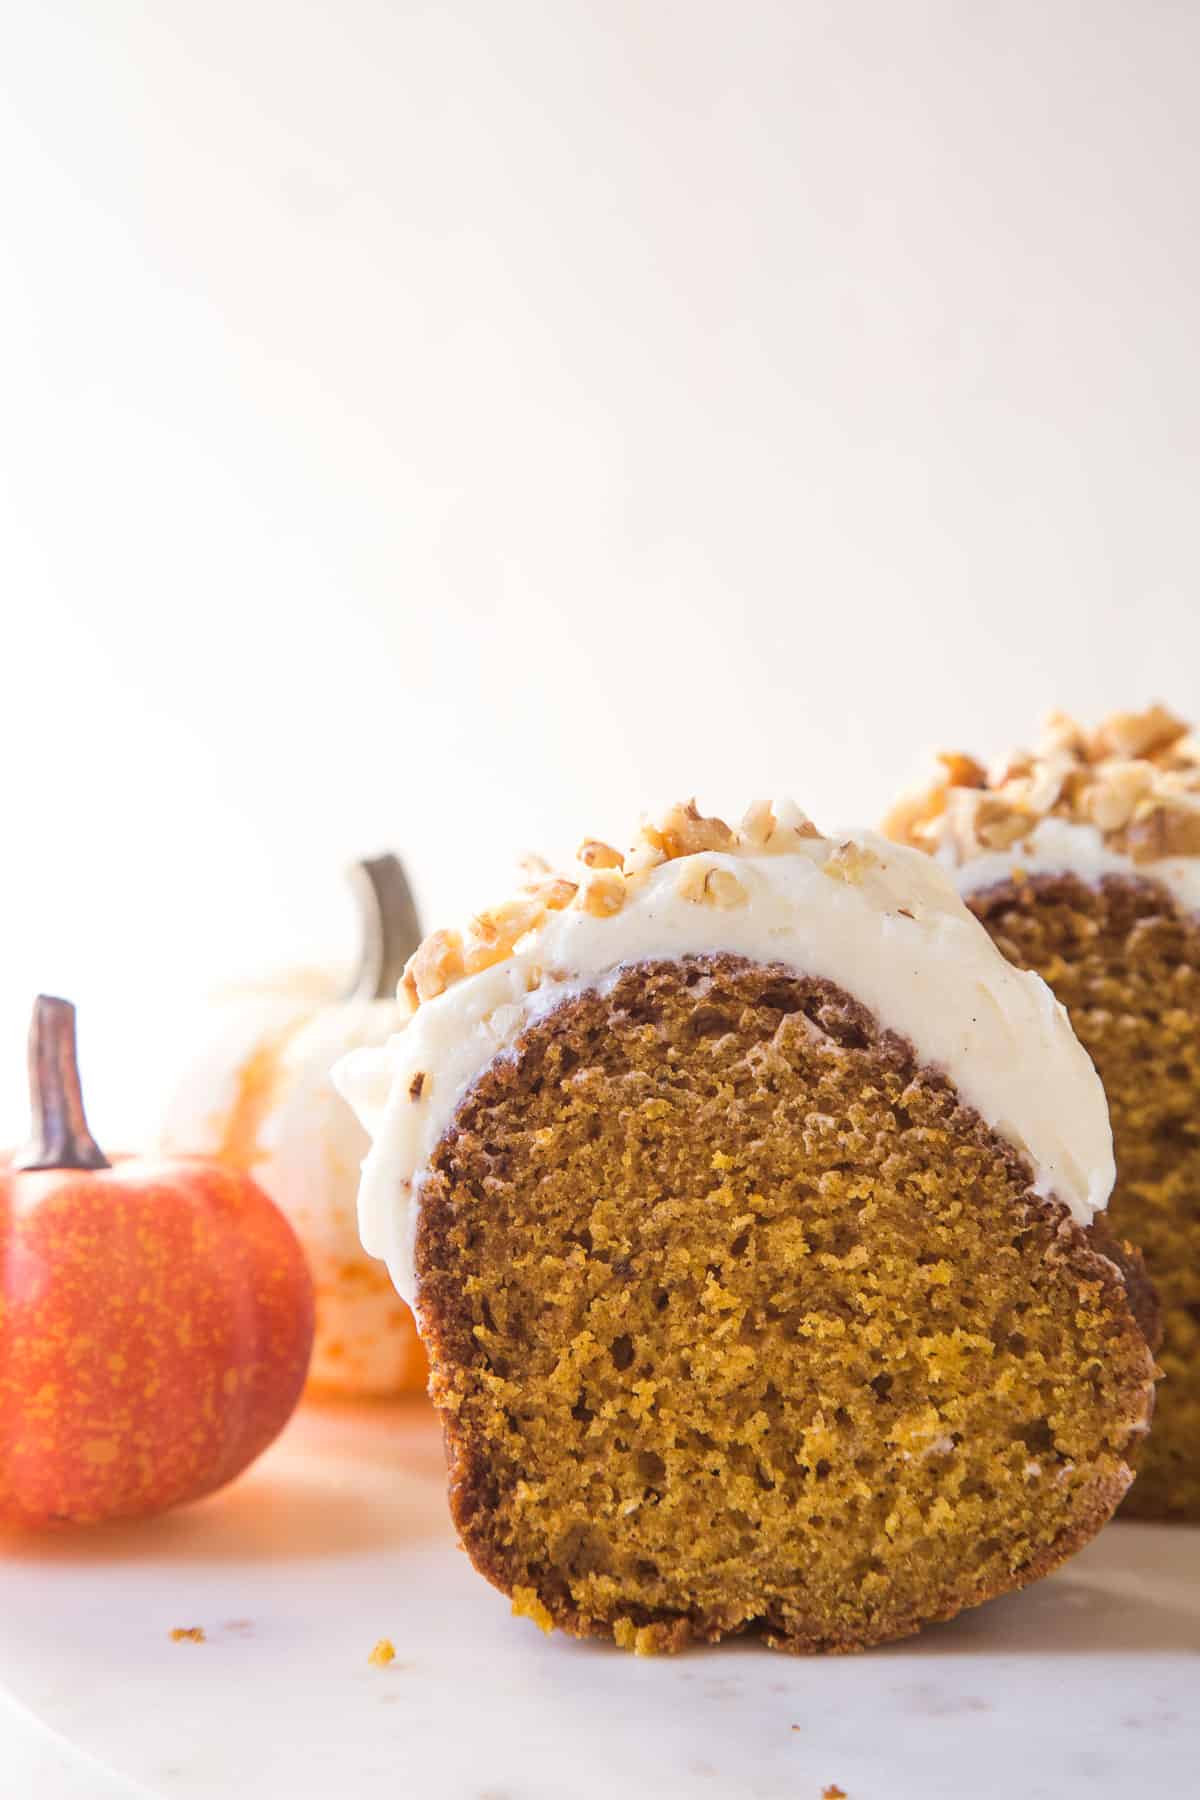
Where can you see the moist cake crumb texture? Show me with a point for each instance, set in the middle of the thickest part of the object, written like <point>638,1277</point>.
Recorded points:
<point>1126,965</point>
<point>741,1320</point>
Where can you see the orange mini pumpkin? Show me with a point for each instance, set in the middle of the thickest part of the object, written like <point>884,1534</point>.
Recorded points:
<point>156,1318</point>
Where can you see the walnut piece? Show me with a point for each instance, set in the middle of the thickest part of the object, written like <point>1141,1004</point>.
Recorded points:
<point>435,964</point>
<point>596,855</point>
<point>555,893</point>
<point>999,824</point>
<point>912,819</point>
<point>1165,831</point>
<point>962,770</point>
<point>849,863</point>
<point>722,888</point>
<point>1136,734</point>
<point>758,824</point>
<point>1109,803</point>
<point>602,893</point>
<point>683,831</point>
<point>646,852</point>
<point>705,885</point>
<point>492,934</point>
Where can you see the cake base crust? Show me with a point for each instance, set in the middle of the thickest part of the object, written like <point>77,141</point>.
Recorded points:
<point>740,1320</point>
<point>1126,965</point>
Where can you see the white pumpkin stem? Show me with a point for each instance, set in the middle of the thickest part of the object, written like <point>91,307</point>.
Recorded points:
<point>391,929</point>
<point>60,1138</point>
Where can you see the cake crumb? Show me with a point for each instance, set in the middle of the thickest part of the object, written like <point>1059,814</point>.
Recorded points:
<point>526,1605</point>
<point>188,1634</point>
<point>833,1792</point>
<point>416,1086</point>
<point>641,1639</point>
<point>383,1653</point>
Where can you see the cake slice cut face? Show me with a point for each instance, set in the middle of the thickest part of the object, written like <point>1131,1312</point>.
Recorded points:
<point>748,1200</point>
<point>1082,859</point>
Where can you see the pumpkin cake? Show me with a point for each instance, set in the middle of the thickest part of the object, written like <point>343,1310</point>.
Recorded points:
<point>1082,859</point>
<point>748,1200</point>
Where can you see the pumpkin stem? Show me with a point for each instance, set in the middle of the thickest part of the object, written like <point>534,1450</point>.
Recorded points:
<point>60,1138</point>
<point>391,930</point>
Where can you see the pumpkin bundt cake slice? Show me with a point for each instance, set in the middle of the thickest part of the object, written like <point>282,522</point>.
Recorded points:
<point>1082,859</point>
<point>748,1201</point>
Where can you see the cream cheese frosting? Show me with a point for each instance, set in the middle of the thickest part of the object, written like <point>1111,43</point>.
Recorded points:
<point>882,921</point>
<point>1063,847</point>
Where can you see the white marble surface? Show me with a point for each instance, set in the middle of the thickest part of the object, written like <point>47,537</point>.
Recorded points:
<point>38,1764</point>
<point>1085,1685</point>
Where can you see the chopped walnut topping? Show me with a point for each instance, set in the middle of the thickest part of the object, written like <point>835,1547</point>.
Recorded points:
<point>849,862</point>
<point>606,883</point>
<point>1136,778</point>
<point>722,888</point>
<point>647,852</point>
<point>705,885</point>
<point>1015,766</point>
<point>435,964</point>
<point>682,831</point>
<point>595,855</point>
<point>1063,733</point>
<point>1111,802</point>
<point>791,823</point>
<point>1166,831</point>
<point>775,831</point>
<point>555,893</point>
<point>1136,734</point>
<point>505,924</point>
<point>962,771</point>
<point>758,825</point>
<point>492,934</point>
<point>689,883</point>
<point>999,824</point>
<point>602,894</point>
<point>911,819</point>
<point>416,1086</point>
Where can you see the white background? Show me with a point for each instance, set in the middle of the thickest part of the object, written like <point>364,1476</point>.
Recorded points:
<point>457,426</point>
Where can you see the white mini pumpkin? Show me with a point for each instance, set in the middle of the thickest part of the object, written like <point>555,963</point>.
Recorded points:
<point>259,1097</point>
